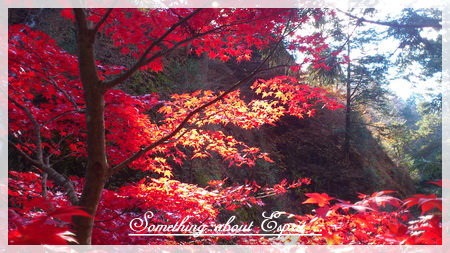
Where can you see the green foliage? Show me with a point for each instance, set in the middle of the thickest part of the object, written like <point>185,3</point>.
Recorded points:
<point>415,141</point>
<point>415,46</point>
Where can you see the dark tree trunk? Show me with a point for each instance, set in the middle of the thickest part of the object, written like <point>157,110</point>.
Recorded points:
<point>97,165</point>
<point>348,109</point>
<point>96,170</point>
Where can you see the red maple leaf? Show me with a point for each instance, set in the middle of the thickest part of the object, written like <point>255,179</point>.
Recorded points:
<point>321,199</point>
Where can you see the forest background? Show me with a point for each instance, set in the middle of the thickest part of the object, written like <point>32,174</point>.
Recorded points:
<point>420,130</point>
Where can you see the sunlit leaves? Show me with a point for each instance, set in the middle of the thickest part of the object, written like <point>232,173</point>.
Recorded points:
<point>373,223</point>
<point>297,98</point>
<point>220,34</point>
<point>38,64</point>
<point>44,80</point>
<point>425,202</point>
<point>170,200</point>
<point>320,199</point>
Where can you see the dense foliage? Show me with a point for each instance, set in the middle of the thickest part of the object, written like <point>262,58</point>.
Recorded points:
<point>376,219</point>
<point>61,104</point>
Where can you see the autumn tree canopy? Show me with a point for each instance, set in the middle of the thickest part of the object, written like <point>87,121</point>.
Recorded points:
<point>64,106</point>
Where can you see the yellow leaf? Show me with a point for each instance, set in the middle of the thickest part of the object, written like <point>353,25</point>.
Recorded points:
<point>279,94</point>
<point>165,109</point>
<point>167,173</point>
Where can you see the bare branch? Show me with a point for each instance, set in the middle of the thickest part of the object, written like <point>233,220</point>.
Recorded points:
<point>432,23</point>
<point>62,158</point>
<point>52,173</point>
<point>100,23</point>
<point>25,155</point>
<point>44,185</point>
<point>36,129</point>
<point>39,162</point>
<point>69,97</point>
<point>349,36</point>
<point>356,87</point>
<point>61,115</point>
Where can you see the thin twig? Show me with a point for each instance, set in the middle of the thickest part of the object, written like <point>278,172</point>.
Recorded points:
<point>54,175</point>
<point>100,23</point>
<point>61,115</point>
<point>142,60</point>
<point>36,129</point>
<point>433,23</point>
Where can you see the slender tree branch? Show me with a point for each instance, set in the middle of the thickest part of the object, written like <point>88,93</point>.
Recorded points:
<point>49,79</point>
<point>22,144</point>
<point>40,163</point>
<point>433,23</point>
<point>57,145</point>
<point>185,24</point>
<point>178,137</point>
<point>61,115</point>
<point>349,36</point>
<point>165,138</point>
<point>161,53</point>
<point>356,87</point>
<point>100,23</point>
<point>25,155</point>
<point>52,173</point>
<point>44,185</point>
<point>36,129</point>
<point>64,157</point>
<point>142,60</point>
<point>69,97</point>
